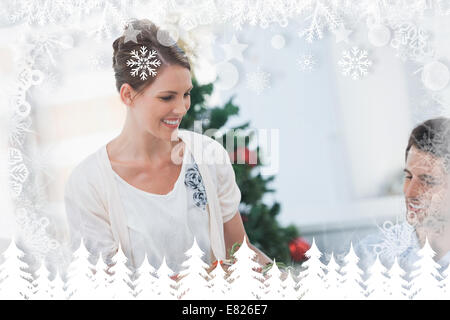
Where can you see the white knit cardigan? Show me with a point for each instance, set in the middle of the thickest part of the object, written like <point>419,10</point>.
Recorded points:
<point>94,209</point>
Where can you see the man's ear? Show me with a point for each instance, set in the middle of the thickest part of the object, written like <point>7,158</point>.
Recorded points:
<point>126,94</point>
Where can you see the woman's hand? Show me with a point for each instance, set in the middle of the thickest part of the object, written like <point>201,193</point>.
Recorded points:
<point>234,232</point>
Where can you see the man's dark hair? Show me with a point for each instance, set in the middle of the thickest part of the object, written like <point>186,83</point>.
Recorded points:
<point>432,136</point>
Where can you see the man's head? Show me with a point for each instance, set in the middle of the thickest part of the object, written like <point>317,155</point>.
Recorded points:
<point>427,174</point>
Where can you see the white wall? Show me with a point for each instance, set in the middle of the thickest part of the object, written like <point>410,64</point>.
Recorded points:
<point>341,140</point>
<point>374,118</point>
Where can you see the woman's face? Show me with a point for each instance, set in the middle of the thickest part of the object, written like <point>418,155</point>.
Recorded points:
<point>426,189</point>
<point>160,108</point>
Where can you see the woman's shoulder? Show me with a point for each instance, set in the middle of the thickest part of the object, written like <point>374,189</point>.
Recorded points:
<point>88,169</point>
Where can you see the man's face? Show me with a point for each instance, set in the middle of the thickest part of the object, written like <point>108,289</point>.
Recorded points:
<point>426,190</point>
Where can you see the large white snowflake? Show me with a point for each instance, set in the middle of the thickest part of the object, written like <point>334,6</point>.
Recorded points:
<point>397,240</point>
<point>142,62</point>
<point>258,81</point>
<point>411,42</point>
<point>355,63</point>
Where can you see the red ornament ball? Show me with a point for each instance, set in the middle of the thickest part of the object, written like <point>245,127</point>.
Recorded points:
<point>298,248</point>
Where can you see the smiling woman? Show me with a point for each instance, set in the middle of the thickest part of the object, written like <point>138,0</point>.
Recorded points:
<point>139,62</point>
<point>149,190</point>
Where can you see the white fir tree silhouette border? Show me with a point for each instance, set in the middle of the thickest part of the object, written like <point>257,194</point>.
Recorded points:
<point>243,279</point>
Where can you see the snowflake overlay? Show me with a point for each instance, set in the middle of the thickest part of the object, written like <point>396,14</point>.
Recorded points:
<point>34,234</point>
<point>143,63</point>
<point>261,13</point>
<point>411,42</point>
<point>398,240</point>
<point>18,172</point>
<point>96,62</point>
<point>258,81</point>
<point>355,63</point>
<point>306,62</point>
<point>322,17</point>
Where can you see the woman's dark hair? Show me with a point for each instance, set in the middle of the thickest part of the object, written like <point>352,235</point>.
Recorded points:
<point>148,36</point>
<point>432,136</point>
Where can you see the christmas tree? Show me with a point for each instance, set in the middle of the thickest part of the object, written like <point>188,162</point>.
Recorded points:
<point>312,277</point>
<point>121,280</point>
<point>289,285</point>
<point>377,281</point>
<point>15,281</point>
<point>396,286</point>
<point>42,284</point>
<point>57,288</point>
<point>274,288</point>
<point>80,283</point>
<point>218,285</point>
<point>101,280</point>
<point>245,281</point>
<point>445,283</point>
<point>260,219</point>
<point>351,286</point>
<point>332,279</point>
<point>425,283</point>
<point>194,279</point>
<point>145,281</point>
<point>165,287</point>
